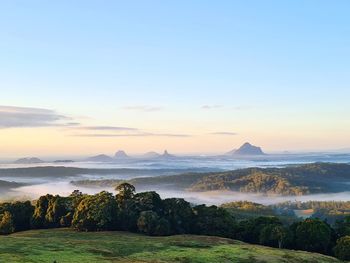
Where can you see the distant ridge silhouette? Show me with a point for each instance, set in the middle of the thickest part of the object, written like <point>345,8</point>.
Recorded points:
<point>29,160</point>
<point>100,158</point>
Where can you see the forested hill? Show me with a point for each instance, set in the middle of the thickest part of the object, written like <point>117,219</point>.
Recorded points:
<point>291,180</point>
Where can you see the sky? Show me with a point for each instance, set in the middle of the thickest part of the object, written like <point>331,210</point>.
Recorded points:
<point>87,77</point>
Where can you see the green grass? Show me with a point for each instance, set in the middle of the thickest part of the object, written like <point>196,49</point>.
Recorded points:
<point>65,245</point>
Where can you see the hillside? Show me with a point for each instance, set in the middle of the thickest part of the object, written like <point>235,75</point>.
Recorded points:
<point>65,245</point>
<point>291,180</point>
<point>175,182</point>
<point>7,185</point>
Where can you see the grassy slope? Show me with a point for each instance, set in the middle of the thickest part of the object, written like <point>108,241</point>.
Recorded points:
<point>65,245</point>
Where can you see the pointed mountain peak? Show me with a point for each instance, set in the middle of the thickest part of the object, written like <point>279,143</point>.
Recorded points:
<point>121,155</point>
<point>249,149</point>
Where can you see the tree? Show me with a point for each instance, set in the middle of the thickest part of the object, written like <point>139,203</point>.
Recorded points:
<point>273,235</point>
<point>96,212</point>
<point>76,193</point>
<point>38,220</point>
<point>56,209</point>
<point>49,210</point>
<point>162,228</point>
<point>21,212</point>
<point>149,223</point>
<point>128,215</point>
<point>6,224</point>
<point>280,234</point>
<point>343,227</point>
<point>75,197</point>
<point>342,249</point>
<point>179,214</point>
<point>213,221</point>
<point>251,230</point>
<point>313,235</point>
<point>125,191</point>
<point>148,201</point>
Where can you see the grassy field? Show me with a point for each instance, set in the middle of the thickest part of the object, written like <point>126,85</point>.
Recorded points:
<point>65,245</point>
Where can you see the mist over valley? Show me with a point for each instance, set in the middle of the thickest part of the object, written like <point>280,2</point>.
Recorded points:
<point>198,179</point>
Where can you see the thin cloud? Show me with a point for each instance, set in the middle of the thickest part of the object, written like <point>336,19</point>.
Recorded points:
<point>144,134</point>
<point>170,135</point>
<point>107,128</point>
<point>211,107</point>
<point>26,117</point>
<point>224,133</point>
<point>23,117</point>
<point>73,124</point>
<point>144,108</point>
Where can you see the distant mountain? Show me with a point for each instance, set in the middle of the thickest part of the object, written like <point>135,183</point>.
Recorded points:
<point>151,155</point>
<point>167,155</point>
<point>121,155</point>
<point>29,160</point>
<point>100,158</point>
<point>248,149</point>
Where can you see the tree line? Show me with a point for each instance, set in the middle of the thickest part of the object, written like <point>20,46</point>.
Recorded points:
<point>147,213</point>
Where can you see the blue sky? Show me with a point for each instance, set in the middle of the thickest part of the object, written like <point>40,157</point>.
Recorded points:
<point>272,72</point>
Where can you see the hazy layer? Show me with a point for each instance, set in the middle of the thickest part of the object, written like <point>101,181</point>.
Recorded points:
<point>60,184</point>
<point>212,197</point>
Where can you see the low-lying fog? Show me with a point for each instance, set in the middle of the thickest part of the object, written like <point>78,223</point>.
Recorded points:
<point>212,197</point>
<point>223,162</point>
